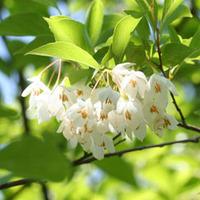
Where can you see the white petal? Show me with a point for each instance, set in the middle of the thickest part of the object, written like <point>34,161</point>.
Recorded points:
<point>173,122</point>
<point>109,144</point>
<point>140,132</point>
<point>98,152</point>
<point>27,91</point>
<point>43,114</point>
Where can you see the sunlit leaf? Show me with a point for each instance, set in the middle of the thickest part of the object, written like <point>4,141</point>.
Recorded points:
<point>66,51</point>
<point>66,29</point>
<point>122,34</point>
<point>95,20</point>
<point>176,10</point>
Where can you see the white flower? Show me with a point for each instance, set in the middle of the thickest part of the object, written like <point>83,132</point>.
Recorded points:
<point>162,122</point>
<point>35,88</point>
<point>134,83</point>
<point>158,90</point>
<point>108,98</point>
<point>119,71</point>
<point>90,117</point>
<point>69,131</point>
<point>60,100</point>
<point>42,106</point>
<point>133,117</point>
<point>116,122</point>
<point>81,91</point>
<point>152,109</point>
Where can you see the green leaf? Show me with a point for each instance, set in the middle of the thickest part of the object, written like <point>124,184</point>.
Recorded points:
<point>66,51</point>
<point>76,74</point>
<point>109,23</point>
<point>150,11</point>
<point>20,61</point>
<point>195,42</point>
<point>174,53</point>
<point>166,6</point>
<point>66,29</point>
<point>8,112</point>
<point>21,6</point>
<point>175,11</point>
<point>117,168</point>
<point>187,27</point>
<point>33,158</point>
<point>37,42</point>
<point>24,24</point>
<point>173,35</point>
<point>47,2</point>
<point>95,20</point>
<point>136,54</point>
<point>122,34</point>
<point>143,29</point>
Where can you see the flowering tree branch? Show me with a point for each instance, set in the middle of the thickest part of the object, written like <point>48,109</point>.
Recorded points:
<point>189,127</point>
<point>140,148</point>
<point>91,159</point>
<point>183,124</point>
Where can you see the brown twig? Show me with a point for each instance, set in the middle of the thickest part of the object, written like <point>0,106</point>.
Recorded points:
<point>45,191</point>
<point>16,183</point>
<point>120,153</point>
<point>22,85</point>
<point>91,159</point>
<point>163,72</point>
<point>190,127</point>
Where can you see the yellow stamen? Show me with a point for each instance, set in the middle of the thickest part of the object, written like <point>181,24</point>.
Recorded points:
<point>157,88</point>
<point>103,116</point>
<point>84,113</point>
<point>79,92</point>
<point>108,101</point>
<point>133,83</point>
<point>128,115</point>
<point>63,97</point>
<point>154,109</point>
<point>166,123</point>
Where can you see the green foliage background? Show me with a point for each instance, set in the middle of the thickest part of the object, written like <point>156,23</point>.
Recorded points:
<point>110,32</point>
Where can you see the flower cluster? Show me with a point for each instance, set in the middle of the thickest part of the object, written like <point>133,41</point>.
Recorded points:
<point>92,116</point>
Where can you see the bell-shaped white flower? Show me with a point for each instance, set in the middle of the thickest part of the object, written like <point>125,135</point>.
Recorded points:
<point>60,99</point>
<point>42,107</point>
<point>158,90</point>
<point>133,116</point>
<point>108,98</point>
<point>35,88</point>
<point>116,122</point>
<point>152,109</point>
<point>163,122</point>
<point>119,71</point>
<point>81,91</point>
<point>134,83</point>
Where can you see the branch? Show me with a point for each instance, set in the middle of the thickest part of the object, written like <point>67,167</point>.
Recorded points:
<point>45,191</point>
<point>22,85</point>
<point>91,159</point>
<point>16,183</point>
<point>140,148</point>
<point>163,72</point>
<point>190,127</point>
